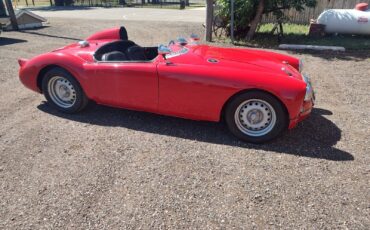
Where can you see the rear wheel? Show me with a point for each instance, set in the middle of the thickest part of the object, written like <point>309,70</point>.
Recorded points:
<point>63,92</point>
<point>256,117</point>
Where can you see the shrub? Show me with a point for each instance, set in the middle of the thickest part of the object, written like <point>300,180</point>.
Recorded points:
<point>245,11</point>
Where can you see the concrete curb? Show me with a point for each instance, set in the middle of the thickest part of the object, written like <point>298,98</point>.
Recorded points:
<point>311,47</point>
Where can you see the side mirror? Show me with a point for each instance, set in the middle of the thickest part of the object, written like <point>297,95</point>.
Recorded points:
<point>195,37</point>
<point>163,50</point>
<point>182,41</point>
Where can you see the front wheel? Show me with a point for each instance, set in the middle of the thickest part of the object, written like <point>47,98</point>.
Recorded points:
<point>63,92</point>
<point>256,117</point>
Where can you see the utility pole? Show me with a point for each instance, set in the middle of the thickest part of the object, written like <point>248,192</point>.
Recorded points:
<point>12,17</point>
<point>209,20</point>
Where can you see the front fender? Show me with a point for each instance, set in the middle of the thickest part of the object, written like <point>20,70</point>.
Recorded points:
<point>290,91</point>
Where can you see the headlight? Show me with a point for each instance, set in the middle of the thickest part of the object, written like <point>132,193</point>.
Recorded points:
<point>309,91</point>
<point>300,67</point>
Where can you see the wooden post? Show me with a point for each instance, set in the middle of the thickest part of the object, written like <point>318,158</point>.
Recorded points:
<point>2,9</point>
<point>232,21</point>
<point>209,20</point>
<point>13,19</point>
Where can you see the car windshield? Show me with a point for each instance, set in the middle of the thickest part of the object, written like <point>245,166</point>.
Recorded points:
<point>176,50</point>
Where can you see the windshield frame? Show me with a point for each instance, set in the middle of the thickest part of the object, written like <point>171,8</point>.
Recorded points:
<point>183,50</point>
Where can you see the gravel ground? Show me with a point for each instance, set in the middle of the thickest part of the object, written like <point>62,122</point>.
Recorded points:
<point>125,13</point>
<point>109,168</point>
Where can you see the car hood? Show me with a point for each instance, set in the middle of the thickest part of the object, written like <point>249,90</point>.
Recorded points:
<point>268,61</point>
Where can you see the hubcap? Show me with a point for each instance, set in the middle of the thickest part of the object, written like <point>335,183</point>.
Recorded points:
<point>62,92</point>
<point>255,117</point>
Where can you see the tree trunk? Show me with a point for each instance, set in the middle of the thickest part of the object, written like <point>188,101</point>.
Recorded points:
<point>256,20</point>
<point>13,19</point>
<point>209,20</point>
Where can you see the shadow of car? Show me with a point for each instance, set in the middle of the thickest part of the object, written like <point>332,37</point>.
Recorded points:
<point>314,138</point>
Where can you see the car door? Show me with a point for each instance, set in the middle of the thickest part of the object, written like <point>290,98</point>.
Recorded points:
<point>188,91</point>
<point>132,85</point>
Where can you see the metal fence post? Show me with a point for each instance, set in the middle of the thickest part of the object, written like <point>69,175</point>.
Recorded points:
<point>209,20</point>
<point>13,19</point>
<point>232,21</point>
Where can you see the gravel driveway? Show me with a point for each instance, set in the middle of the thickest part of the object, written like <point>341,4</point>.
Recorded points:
<point>125,13</point>
<point>109,168</point>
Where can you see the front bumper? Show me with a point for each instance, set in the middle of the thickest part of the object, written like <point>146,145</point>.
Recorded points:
<point>307,105</point>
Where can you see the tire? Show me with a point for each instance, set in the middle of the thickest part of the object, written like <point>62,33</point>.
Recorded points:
<point>256,117</point>
<point>63,92</point>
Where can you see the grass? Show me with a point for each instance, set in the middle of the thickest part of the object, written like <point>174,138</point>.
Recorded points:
<point>288,29</point>
<point>298,34</point>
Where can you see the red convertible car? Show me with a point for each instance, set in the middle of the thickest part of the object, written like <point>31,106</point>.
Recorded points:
<point>259,94</point>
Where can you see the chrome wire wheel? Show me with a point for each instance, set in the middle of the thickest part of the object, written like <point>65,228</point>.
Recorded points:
<point>255,117</point>
<point>62,92</point>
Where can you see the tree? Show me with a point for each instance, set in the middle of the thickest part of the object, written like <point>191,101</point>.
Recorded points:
<point>256,20</point>
<point>248,13</point>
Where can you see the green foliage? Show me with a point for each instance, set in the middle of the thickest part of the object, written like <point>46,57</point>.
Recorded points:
<point>297,34</point>
<point>245,11</point>
<point>243,14</point>
<point>289,29</point>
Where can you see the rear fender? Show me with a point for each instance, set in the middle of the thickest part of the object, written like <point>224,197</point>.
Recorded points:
<point>110,34</point>
<point>30,71</point>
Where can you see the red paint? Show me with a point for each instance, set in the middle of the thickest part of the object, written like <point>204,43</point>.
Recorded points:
<point>112,33</point>
<point>362,6</point>
<point>187,86</point>
<point>132,85</point>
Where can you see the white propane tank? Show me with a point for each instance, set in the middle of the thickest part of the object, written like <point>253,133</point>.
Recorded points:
<point>345,21</point>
